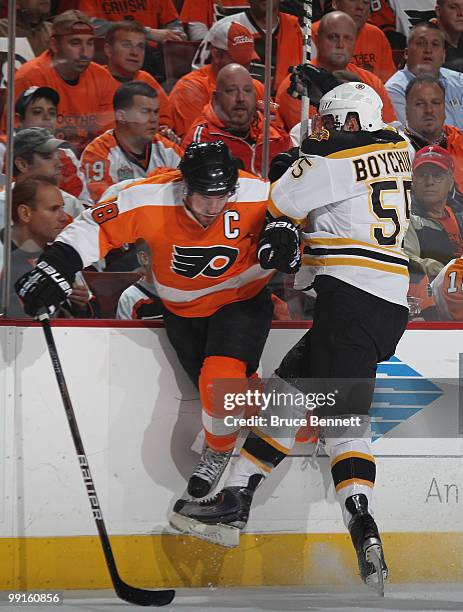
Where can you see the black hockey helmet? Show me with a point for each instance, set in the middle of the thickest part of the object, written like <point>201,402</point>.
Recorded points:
<point>209,169</point>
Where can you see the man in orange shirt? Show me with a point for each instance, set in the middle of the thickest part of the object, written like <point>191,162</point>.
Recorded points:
<point>336,41</point>
<point>202,223</point>
<point>287,40</point>
<point>125,49</point>
<point>232,116</point>
<point>372,49</point>
<point>85,89</point>
<point>201,16</point>
<point>230,42</point>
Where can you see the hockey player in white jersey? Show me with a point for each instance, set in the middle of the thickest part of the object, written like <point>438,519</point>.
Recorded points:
<point>350,188</point>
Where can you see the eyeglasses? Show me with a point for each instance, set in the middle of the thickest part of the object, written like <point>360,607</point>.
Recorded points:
<point>437,175</point>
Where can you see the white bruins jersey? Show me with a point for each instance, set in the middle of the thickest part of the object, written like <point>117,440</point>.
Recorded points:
<point>355,189</point>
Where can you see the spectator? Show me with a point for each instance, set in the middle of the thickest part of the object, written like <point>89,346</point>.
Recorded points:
<point>160,17</point>
<point>372,49</point>
<point>232,117</point>
<point>201,16</point>
<point>450,21</point>
<point>134,148</point>
<point>336,40</point>
<point>140,300</point>
<point>435,234</point>
<point>37,107</point>
<point>287,40</point>
<point>38,217</point>
<point>125,49</point>
<point>85,88</point>
<point>425,55</point>
<point>36,152</point>
<point>31,23</point>
<point>229,42</point>
<point>425,115</point>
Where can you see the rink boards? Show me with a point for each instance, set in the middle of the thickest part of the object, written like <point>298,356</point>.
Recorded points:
<point>140,418</point>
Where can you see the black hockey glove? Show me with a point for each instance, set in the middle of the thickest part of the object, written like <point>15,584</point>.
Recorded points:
<point>281,162</point>
<point>49,284</point>
<point>308,80</point>
<point>279,246</point>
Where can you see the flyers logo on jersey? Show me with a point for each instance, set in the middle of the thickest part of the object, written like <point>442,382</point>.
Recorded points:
<point>210,261</point>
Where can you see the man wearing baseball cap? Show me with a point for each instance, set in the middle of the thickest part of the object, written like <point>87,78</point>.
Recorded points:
<point>435,234</point>
<point>231,43</point>
<point>35,151</point>
<point>38,107</point>
<point>84,87</point>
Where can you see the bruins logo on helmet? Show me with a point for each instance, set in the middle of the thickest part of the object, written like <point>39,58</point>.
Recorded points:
<point>210,261</point>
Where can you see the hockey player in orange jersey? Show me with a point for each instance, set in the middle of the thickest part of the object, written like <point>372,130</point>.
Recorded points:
<point>202,224</point>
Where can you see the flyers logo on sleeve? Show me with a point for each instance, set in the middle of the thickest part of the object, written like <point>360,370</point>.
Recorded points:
<point>210,261</point>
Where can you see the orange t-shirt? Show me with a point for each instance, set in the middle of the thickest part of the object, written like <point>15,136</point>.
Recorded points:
<point>165,117</point>
<point>190,95</point>
<point>85,109</point>
<point>208,11</point>
<point>372,51</point>
<point>151,13</point>
<point>290,108</point>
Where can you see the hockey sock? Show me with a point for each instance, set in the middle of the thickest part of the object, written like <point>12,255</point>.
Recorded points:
<point>219,436</point>
<point>353,470</point>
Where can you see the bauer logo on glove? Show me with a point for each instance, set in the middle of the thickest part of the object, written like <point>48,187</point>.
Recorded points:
<point>279,247</point>
<point>42,287</point>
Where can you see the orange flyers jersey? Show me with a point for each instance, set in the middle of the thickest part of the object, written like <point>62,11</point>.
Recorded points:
<point>208,11</point>
<point>151,13</point>
<point>372,51</point>
<point>84,109</point>
<point>447,291</point>
<point>105,162</point>
<point>196,270</point>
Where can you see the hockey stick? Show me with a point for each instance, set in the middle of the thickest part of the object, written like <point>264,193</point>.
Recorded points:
<point>134,595</point>
<point>307,52</point>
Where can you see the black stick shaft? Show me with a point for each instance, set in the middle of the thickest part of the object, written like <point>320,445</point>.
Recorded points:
<point>125,591</point>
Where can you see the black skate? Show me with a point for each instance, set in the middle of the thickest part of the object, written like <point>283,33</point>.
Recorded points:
<point>367,543</point>
<point>208,472</point>
<point>219,519</point>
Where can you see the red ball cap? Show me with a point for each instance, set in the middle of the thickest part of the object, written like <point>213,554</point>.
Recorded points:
<point>234,38</point>
<point>433,154</point>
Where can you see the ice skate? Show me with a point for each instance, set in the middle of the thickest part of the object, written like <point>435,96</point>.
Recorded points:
<point>219,519</point>
<point>208,472</point>
<point>367,543</point>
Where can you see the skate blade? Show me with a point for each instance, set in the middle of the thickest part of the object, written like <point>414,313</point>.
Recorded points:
<point>376,580</point>
<point>223,535</point>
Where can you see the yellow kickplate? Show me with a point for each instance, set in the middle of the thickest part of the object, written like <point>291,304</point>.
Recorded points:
<point>182,561</point>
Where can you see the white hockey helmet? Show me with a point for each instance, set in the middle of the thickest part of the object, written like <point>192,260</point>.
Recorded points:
<point>357,98</point>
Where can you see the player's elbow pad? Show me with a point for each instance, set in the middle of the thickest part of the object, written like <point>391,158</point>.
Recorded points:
<point>279,246</point>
